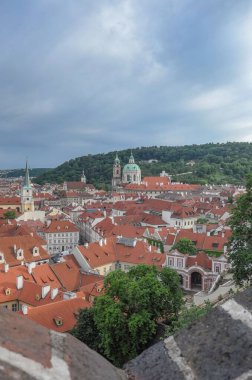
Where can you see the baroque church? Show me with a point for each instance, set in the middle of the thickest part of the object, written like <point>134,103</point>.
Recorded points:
<point>131,173</point>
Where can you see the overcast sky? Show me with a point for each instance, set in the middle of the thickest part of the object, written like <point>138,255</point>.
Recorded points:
<point>90,76</point>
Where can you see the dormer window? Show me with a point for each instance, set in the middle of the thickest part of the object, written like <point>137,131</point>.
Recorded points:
<point>35,251</point>
<point>1,258</point>
<point>20,254</point>
<point>58,321</point>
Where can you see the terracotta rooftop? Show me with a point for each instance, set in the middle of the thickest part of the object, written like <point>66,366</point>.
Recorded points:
<point>9,247</point>
<point>61,226</point>
<point>58,316</point>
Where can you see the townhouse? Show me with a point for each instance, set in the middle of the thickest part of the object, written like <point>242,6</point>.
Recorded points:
<point>60,235</point>
<point>116,253</point>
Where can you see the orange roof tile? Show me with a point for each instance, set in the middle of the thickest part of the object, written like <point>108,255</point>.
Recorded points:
<point>43,275</point>
<point>68,274</point>
<point>59,316</point>
<point>8,244</point>
<point>57,226</point>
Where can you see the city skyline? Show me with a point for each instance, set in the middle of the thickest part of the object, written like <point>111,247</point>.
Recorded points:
<point>80,79</point>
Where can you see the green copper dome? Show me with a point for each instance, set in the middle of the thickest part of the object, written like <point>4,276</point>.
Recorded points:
<point>131,167</point>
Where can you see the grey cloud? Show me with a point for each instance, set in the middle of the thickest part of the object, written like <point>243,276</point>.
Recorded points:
<point>86,77</point>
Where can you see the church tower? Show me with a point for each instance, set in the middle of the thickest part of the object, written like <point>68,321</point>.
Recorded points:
<point>116,180</point>
<point>27,202</point>
<point>83,177</point>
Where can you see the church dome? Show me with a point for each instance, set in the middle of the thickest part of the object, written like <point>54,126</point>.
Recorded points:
<point>131,172</point>
<point>131,167</point>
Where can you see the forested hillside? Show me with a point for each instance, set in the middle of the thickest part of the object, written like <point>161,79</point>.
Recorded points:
<point>15,173</point>
<point>212,163</point>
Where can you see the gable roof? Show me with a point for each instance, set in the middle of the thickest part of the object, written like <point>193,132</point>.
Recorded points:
<point>64,311</point>
<point>57,226</point>
<point>8,244</point>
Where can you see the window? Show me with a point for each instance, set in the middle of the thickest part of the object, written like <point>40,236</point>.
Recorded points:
<point>58,321</point>
<point>171,262</point>
<point>14,307</point>
<point>180,263</point>
<point>217,268</point>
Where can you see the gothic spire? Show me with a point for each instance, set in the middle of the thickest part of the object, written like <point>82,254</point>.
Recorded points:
<point>27,177</point>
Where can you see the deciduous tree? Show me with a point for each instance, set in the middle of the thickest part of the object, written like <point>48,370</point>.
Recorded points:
<point>185,245</point>
<point>240,256</point>
<point>126,317</point>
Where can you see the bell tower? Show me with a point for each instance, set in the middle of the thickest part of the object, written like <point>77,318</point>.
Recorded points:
<point>116,180</point>
<point>83,177</point>
<point>27,202</point>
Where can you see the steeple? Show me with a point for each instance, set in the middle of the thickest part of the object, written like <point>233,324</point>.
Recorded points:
<point>83,177</point>
<point>131,160</point>
<point>27,177</point>
<point>27,202</point>
<point>117,161</point>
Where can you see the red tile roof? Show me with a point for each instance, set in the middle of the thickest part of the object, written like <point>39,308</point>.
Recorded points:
<point>43,275</point>
<point>201,260</point>
<point>114,251</point>
<point>57,226</point>
<point>68,274</point>
<point>59,316</point>
<point>8,245</point>
<point>10,201</point>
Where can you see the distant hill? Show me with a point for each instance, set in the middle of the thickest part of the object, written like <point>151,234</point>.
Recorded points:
<point>15,173</point>
<point>207,163</point>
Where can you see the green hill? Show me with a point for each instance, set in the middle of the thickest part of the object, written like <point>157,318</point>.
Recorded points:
<point>15,173</point>
<point>213,163</point>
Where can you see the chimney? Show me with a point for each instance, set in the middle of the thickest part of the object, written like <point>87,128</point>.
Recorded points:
<point>54,293</point>
<point>149,248</point>
<point>19,282</point>
<point>25,309</point>
<point>105,241</point>
<point>6,268</point>
<point>45,290</point>
<point>101,242</point>
<point>86,245</point>
<point>30,268</point>
<point>15,248</point>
